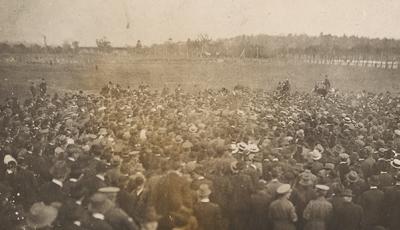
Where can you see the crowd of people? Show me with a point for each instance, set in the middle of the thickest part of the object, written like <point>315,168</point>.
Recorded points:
<point>207,159</point>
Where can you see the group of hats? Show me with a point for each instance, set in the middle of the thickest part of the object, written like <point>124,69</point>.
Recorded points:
<point>242,147</point>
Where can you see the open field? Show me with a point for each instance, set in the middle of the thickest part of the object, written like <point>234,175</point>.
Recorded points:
<point>194,73</point>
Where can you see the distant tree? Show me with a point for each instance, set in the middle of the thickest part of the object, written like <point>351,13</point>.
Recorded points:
<point>75,46</point>
<point>19,48</point>
<point>35,48</point>
<point>103,44</point>
<point>4,47</point>
<point>66,47</point>
<point>139,44</point>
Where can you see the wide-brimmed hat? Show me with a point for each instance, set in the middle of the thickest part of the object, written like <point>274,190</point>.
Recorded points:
<point>283,189</point>
<point>193,128</point>
<point>306,179</point>
<point>41,215</point>
<point>253,148</point>
<point>8,159</point>
<point>187,144</point>
<point>397,132</point>
<point>242,146</point>
<point>204,190</point>
<point>395,163</point>
<point>322,187</point>
<point>99,203</point>
<point>178,139</point>
<point>352,176</point>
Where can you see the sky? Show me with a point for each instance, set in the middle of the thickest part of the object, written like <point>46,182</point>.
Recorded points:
<point>154,21</point>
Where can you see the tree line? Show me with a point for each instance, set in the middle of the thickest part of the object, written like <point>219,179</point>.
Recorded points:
<point>249,46</point>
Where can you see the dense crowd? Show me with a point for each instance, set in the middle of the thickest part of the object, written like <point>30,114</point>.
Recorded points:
<point>240,159</point>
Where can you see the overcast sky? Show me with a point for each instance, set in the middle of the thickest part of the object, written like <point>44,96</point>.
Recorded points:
<point>154,21</point>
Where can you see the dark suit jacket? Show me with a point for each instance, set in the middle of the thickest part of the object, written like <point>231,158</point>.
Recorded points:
<point>372,203</point>
<point>391,205</point>
<point>208,216</point>
<point>96,224</point>
<point>50,192</point>
<point>348,216</point>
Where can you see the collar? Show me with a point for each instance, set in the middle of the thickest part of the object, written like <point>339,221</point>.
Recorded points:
<point>98,216</point>
<point>77,223</point>
<point>138,192</point>
<point>57,182</point>
<point>205,200</point>
<point>97,158</point>
<point>200,178</point>
<point>361,159</point>
<point>383,172</point>
<point>274,180</point>
<point>71,159</point>
<point>373,187</point>
<point>9,172</point>
<point>101,177</point>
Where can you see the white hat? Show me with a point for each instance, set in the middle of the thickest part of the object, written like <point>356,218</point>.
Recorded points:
<point>283,189</point>
<point>397,132</point>
<point>8,158</point>
<point>322,187</point>
<point>395,163</point>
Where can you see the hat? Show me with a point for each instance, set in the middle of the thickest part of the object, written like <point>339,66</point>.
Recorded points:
<point>352,176</point>
<point>329,166</point>
<point>58,150</point>
<point>315,155</point>
<point>187,145</point>
<point>204,190</point>
<point>193,129</point>
<point>397,132</point>
<point>109,189</point>
<point>283,189</point>
<point>8,159</point>
<point>178,139</point>
<point>253,148</point>
<point>99,203</point>
<point>306,179</point>
<point>347,193</point>
<point>234,148</point>
<point>115,161</point>
<point>322,187</point>
<point>395,163</point>
<point>344,156</point>
<point>41,215</point>
<point>103,131</point>
<point>242,146</point>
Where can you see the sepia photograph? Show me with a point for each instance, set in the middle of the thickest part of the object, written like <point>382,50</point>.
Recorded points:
<point>199,115</point>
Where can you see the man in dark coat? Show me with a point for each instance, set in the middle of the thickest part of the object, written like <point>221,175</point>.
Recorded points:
<point>347,216</point>
<point>391,205</point>
<point>208,214</point>
<point>54,190</point>
<point>23,182</point>
<point>242,188</point>
<point>372,203</point>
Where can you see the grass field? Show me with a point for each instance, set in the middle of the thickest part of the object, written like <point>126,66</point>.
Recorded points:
<point>194,73</point>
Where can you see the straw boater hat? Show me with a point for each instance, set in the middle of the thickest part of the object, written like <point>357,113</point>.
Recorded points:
<point>253,148</point>
<point>322,187</point>
<point>352,176</point>
<point>41,215</point>
<point>283,189</point>
<point>8,159</point>
<point>397,132</point>
<point>395,163</point>
<point>242,146</point>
